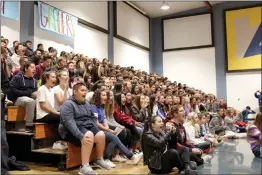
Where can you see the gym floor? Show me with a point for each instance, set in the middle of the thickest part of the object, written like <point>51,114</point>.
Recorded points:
<point>234,157</point>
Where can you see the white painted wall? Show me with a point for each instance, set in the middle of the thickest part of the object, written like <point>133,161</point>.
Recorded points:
<point>94,12</point>
<point>127,55</point>
<point>87,41</point>
<point>196,68</point>
<point>241,88</point>
<point>132,25</point>
<point>187,31</point>
<point>10,28</point>
<point>91,42</point>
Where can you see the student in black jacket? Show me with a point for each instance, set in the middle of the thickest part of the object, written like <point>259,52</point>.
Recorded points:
<point>155,142</point>
<point>23,89</point>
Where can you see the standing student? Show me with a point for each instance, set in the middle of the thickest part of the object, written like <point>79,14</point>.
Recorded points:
<point>254,135</point>
<point>4,90</point>
<point>258,95</point>
<point>78,126</point>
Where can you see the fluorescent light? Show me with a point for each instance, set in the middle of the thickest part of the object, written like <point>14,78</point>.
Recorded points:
<point>165,6</point>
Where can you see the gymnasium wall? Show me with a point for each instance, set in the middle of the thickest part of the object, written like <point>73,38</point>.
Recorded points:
<point>88,41</point>
<point>237,88</point>
<point>188,55</point>
<point>131,37</point>
<point>196,68</point>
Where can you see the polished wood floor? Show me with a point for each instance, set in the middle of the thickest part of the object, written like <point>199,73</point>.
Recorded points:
<point>122,168</point>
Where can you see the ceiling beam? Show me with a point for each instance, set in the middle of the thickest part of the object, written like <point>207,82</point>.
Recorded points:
<point>209,6</point>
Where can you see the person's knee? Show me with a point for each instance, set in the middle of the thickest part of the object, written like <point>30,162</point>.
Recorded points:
<point>173,153</point>
<point>90,135</point>
<point>100,135</point>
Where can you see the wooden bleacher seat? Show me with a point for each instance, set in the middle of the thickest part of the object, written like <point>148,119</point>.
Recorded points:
<point>74,156</point>
<point>44,130</point>
<point>15,113</point>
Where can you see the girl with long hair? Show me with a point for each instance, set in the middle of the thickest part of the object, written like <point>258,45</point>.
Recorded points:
<point>122,118</point>
<point>99,101</point>
<point>62,90</point>
<point>254,136</point>
<point>158,155</point>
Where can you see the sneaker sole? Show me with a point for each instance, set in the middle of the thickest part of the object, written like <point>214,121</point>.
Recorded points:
<point>101,166</point>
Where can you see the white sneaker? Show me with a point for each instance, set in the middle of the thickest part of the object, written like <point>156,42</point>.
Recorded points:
<point>118,159</point>
<point>102,164</point>
<point>207,158</point>
<point>86,169</point>
<point>111,164</point>
<point>124,157</point>
<point>60,145</point>
<point>135,159</point>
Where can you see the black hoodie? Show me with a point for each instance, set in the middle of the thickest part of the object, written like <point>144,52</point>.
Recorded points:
<point>21,86</point>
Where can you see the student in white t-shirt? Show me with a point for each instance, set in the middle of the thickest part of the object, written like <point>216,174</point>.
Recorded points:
<point>45,100</point>
<point>62,90</point>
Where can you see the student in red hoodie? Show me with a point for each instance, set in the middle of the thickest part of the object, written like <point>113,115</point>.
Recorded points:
<point>122,118</point>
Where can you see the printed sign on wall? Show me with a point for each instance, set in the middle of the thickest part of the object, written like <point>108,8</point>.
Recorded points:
<point>10,9</point>
<point>56,20</point>
<point>244,39</point>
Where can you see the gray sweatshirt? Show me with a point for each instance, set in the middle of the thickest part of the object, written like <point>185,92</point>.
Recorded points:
<point>73,116</point>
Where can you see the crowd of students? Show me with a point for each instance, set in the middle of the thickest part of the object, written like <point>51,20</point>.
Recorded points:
<point>128,113</point>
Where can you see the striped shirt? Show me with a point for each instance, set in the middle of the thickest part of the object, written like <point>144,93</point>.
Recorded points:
<point>254,135</point>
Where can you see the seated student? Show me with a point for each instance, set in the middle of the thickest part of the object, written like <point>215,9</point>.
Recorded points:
<point>246,112</point>
<point>22,62</point>
<point>78,126</point>
<point>177,118</point>
<point>62,90</point>
<point>159,157</point>
<point>122,118</point>
<point>99,101</point>
<point>204,130</point>
<point>139,109</point>
<point>217,123</point>
<point>230,121</point>
<point>23,90</point>
<point>193,133</point>
<point>124,135</point>
<point>160,107</point>
<point>254,135</point>
<point>45,100</point>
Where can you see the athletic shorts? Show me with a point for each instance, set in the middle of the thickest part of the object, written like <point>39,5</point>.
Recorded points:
<point>83,129</point>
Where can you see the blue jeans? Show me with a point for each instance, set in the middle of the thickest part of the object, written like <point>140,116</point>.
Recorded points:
<point>204,145</point>
<point>114,142</point>
<point>257,151</point>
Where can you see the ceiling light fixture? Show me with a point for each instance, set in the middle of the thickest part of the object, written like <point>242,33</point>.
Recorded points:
<point>165,6</point>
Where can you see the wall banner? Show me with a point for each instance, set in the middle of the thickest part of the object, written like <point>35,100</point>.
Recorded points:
<point>243,39</point>
<point>56,20</point>
<point>9,9</point>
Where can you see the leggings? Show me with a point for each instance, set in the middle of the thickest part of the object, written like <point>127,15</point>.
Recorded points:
<point>124,136</point>
<point>172,158</point>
